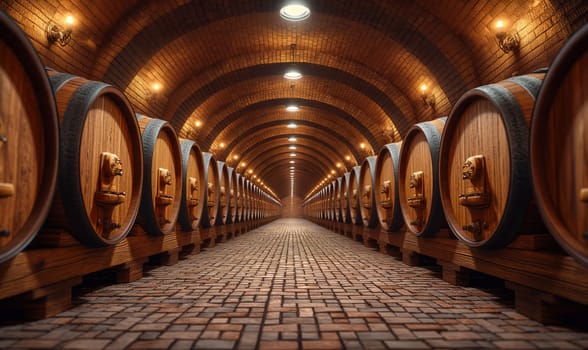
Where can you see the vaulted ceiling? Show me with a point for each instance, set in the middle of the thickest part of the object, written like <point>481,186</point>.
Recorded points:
<point>220,65</point>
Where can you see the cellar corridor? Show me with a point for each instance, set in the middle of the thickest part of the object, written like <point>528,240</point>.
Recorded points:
<point>287,285</point>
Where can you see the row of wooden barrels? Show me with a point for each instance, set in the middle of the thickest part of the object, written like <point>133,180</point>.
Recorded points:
<point>511,158</point>
<point>74,156</point>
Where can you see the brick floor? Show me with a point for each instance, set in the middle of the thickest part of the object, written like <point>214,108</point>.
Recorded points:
<point>290,285</point>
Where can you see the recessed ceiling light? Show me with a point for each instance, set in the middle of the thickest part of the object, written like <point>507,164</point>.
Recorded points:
<point>292,154</point>
<point>292,162</point>
<point>292,147</point>
<point>294,11</point>
<point>292,139</point>
<point>292,126</point>
<point>292,108</point>
<point>292,74</point>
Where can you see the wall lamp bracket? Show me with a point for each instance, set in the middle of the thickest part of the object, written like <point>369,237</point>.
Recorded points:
<point>56,34</point>
<point>508,42</point>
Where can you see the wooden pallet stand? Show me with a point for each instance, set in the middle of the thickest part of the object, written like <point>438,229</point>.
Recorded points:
<point>357,233</point>
<point>370,237</point>
<point>220,233</point>
<point>548,284</point>
<point>208,237</point>
<point>37,283</point>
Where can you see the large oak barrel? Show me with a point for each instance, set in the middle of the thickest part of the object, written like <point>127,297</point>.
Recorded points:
<point>559,147</point>
<point>354,196</point>
<point>324,203</point>
<point>241,198</point>
<point>234,195</point>
<point>386,187</point>
<point>223,195</point>
<point>162,171</point>
<point>367,179</point>
<point>330,201</point>
<point>246,199</point>
<point>211,194</point>
<point>100,173</point>
<point>28,141</point>
<point>338,184</point>
<point>192,185</point>
<point>485,181</point>
<point>418,182</point>
<point>345,210</point>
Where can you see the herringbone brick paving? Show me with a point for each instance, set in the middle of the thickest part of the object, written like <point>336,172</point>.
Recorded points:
<point>290,285</point>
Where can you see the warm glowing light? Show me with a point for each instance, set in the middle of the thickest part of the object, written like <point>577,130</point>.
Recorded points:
<point>69,20</point>
<point>329,176</point>
<point>347,157</point>
<point>198,123</point>
<point>292,139</point>
<point>222,145</point>
<point>235,157</point>
<point>424,88</point>
<point>294,12</point>
<point>292,74</point>
<point>362,145</point>
<point>292,147</point>
<point>333,172</point>
<point>292,108</point>
<point>254,176</point>
<point>292,126</point>
<point>339,165</point>
<point>499,24</point>
<point>243,164</point>
<point>292,154</point>
<point>250,171</point>
<point>156,87</point>
<point>292,162</point>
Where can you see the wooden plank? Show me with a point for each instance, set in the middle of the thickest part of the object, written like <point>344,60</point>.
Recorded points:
<point>33,269</point>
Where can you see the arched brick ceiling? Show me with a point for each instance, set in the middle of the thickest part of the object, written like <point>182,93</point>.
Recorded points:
<point>221,63</point>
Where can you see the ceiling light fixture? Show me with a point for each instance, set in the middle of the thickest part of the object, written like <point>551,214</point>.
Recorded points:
<point>295,11</point>
<point>293,73</point>
<point>292,139</point>
<point>292,126</point>
<point>292,108</point>
<point>292,154</point>
<point>292,147</point>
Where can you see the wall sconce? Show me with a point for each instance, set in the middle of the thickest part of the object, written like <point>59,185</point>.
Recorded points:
<point>57,34</point>
<point>507,41</point>
<point>428,98</point>
<point>153,93</point>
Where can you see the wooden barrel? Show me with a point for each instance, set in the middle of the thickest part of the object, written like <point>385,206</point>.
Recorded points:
<point>330,187</point>
<point>233,193</point>
<point>367,179</point>
<point>241,198</point>
<point>192,186</point>
<point>100,172</point>
<point>162,171</point>
<point>559,147</point>
<point>485,180</point>
<point>324,203</point>
<point>338,185</point>
<point>386,187</point>
<point>345,210</point>
<point>223,189</point>
<point>28,141</point>
<point>418,183</point>
<point>354,196</point>
<point>212,194</point>
<point>246,199</point>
